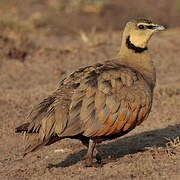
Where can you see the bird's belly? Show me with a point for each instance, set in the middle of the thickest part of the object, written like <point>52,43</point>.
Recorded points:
<point>127,119</point>
<point>99,139</point>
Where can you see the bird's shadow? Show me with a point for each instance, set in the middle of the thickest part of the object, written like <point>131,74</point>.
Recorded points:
<point>126,145</point>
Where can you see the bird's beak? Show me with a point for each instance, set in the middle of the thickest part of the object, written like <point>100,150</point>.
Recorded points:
<point>159,27</point>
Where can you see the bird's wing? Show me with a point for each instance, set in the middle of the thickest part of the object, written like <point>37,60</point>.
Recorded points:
<point>97,100</point>
<point>109,99</point>
<point>121,101</point>
<point>52,116</point>
<point>47,119</point>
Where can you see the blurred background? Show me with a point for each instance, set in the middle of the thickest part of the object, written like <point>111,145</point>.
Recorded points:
<point>70,16</point>
<point>27,26</point>
<point>42,41</point>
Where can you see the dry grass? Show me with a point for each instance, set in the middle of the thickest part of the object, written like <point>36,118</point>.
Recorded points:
<point>172,145</point>
<point>92,6</point>
<point>14,24</point>
<point>38,20</point>
<point>92,38</point>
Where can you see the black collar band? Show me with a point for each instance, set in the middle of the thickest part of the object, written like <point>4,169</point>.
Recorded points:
<point>133,47</point>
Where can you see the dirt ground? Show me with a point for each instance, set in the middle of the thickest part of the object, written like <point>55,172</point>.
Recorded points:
<point>37,51</point>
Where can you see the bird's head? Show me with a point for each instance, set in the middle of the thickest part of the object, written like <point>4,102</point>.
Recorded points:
<point>138,32</point>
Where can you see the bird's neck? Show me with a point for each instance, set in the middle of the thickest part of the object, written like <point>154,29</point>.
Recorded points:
<point>137,58</point>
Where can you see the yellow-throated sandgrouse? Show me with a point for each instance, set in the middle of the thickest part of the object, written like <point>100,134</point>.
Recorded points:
<point>99,102</point>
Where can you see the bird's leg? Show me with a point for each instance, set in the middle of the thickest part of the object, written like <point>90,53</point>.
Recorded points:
<point>89,155</point>
<point>96,153</point>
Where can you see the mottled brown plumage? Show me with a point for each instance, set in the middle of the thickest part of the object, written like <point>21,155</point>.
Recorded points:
<point>99,102</point>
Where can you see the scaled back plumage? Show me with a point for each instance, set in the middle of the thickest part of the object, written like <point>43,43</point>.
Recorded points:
<point>98,102</point>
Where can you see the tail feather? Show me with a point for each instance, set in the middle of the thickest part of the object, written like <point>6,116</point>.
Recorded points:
<point>22,128</point>
<point>53,139</point>
<point>34,143</point>
<point>41,126</point>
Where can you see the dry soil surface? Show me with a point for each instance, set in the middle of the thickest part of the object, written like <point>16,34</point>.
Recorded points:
<point>28,76</point>
<point>39,46</point>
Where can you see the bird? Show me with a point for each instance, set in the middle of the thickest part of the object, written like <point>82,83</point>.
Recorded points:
<point>99,102</point>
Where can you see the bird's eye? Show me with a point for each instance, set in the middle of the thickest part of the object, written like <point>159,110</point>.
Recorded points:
<point>150,27</point>
<point>141,27</point>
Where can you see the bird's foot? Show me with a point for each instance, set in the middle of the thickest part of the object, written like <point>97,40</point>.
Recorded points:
<point>90,163</point>
<point>98,158</point>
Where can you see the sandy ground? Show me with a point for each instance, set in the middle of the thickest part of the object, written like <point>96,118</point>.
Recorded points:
<point>32,65</point>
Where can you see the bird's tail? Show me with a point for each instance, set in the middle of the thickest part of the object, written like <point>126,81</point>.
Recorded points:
<point>33,143</point>
<point>33,140</point>
<point>22,128</point>
<point>41,127</point>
